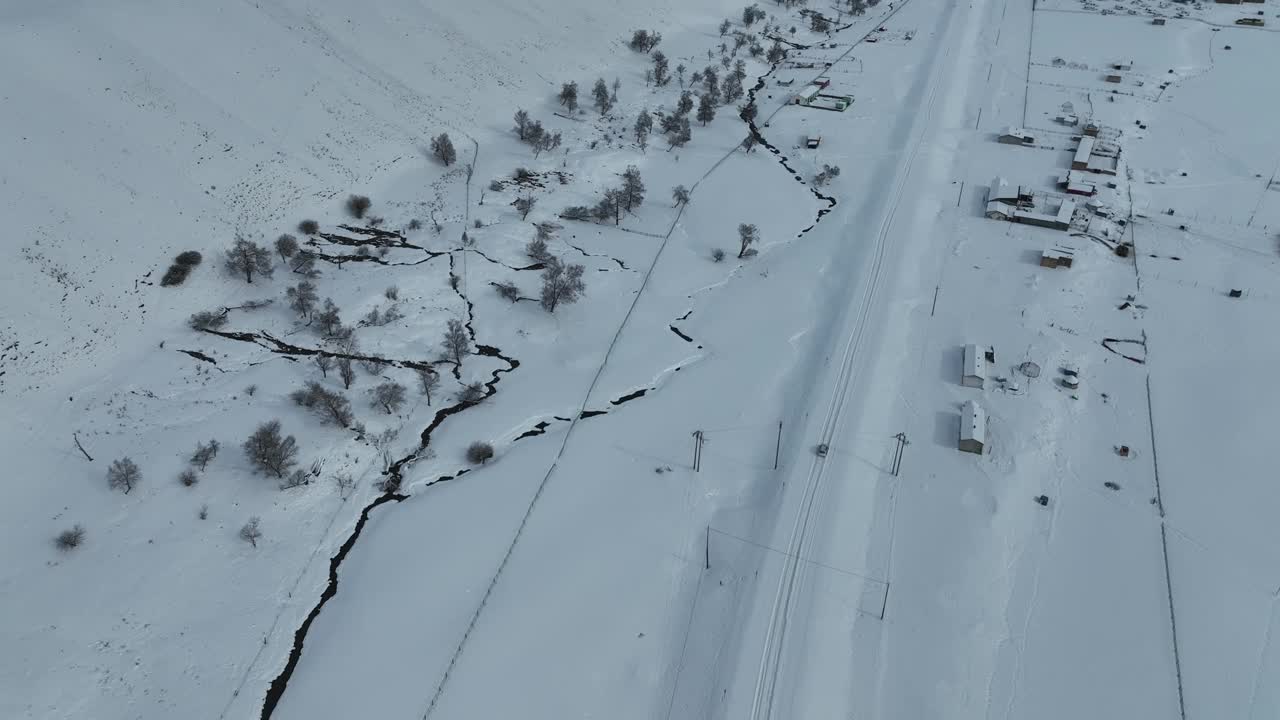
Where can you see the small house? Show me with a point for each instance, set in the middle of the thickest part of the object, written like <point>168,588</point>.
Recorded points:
<point>1068,120</point>
<point>1092,129</point>
<point>1113,78</point>
<point>1058,256</point>
<point>1002,192</point>
<point>1123,66</point>
<point>1157,21</point>
<point>974,373</point>
<point>1016,136</point>
<point>813,141</point>
<point>822,82</point>
<point>973,428</point>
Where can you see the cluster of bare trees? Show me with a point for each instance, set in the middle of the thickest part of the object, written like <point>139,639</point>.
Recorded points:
<point>644,40</point>
<point>532,132</point>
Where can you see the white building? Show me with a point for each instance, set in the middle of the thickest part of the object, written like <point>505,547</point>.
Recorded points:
<point>1016,136</point>
<point>806,96</point>
<point>973,428</point>
<point>975,367</point>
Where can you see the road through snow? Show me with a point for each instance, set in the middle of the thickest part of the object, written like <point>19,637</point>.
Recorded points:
<point>806,669</point>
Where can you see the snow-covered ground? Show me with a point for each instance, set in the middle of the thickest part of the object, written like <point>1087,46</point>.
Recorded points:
<point>569,576</point>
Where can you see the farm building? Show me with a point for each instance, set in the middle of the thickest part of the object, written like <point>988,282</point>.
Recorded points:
<point>1069,120</point>
<point>1076,183</point>
<point>973,428</point>
<point>1081,159</point>
<point>839,103</point>
<point>1157,21</point>
<point>822,82</point>
<point>1058,256</point>
<point>1113,78</point>
<point>1015,136</point>
<point>1002,192</point>
<point>806,96</point>
<point>1092,129</point>
<point>1059,220</point>
<point>975,367</point>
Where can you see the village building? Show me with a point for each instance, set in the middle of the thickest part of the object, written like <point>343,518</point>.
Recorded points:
<point>1016,136</point>
<point>973,428</point>
<point>1058,256</point>
<point>974,373</point>
<point>1057,220</point>
<point>1157,21</point>
<point>806,96</point>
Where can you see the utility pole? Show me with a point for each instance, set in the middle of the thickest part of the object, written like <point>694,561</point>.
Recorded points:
<point>777,451</point>
<point>708,546</point>
<point>897,453</point>
<point>697,450</point>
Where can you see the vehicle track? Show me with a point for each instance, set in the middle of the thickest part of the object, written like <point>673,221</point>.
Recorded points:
<point>793,569</point>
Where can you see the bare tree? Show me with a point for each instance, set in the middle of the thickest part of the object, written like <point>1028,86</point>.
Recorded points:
<point>681,135</point>
<point>644,125</point>
<point>601,95</point>
<point>569,96</point>
<point>345,484</point>
<point>304,264</point>
<point>123,475</point>
<point>205,453</point>
<point>328,321</point>
<point>680,194</point>
<point>324,363</point>
<point>302,298</point>
<point>777,54</point>
<point>270,452</point>
<point>818,23</point>
<point>473,392</point>
<point>252,531</point>
<point>308,227</point>
<point>286,246</point>
<point>681,69</point>
<point>330,405</point>
<point>456,343</point>
<point>70,539</point>
<point>561,284</point>
<point>748,235</point>
<point>717,255</point>
<point>828,173</point>
<point>525,205</point>
<point>508,290</point>
<point>346,372</point>
<point>428,381</point>
<point>706,109</point>
<point>479,453</point>
<point>188,477</point>
<point>205,320</point>
<point>442,149</point>
<point>724,28</point>
<point>390,396</point>
<point>358,205</point>
<point>248,258</point>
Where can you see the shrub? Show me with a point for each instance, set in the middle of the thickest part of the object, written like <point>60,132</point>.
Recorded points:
<point>70,539</point>
<point>508,290</point>
<point>251,532</point>
<point>717,255</point>
<point>478,453</point>
<point>175,275</point>
<point>308,227</point>
<point>188,477</point>
<point>358,205</point>
<point>392,293</point>
<point>189,258</point>
<point>415,224</point>
<point>495,186</point>
<point>576,212</point>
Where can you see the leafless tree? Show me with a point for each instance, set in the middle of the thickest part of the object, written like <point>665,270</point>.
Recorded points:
<point>205,320</point>
<point>389,396</point>
<point>70,539</point>
<point>346,372</point>
<point>680,194</point>
<point>561,284</point>
<point>442,148</point>
<point>324,362</point>
<point>525,205</point>
<point>345,484</point>
<point>600,93</point>
<point>297,478</point>
<point>358,205</point>
<point>479,453</point>
<point>302,298</point>
<point>271,452</point>
<point>456,343</point>
<point>569,96</point>
<point>643,126</point>
<point>188,477</point>
<point>632,188</point>
<point>523,123</point>
<point>286,246</point>
<point>123,475</point>
<point>508,290</point>
<point>428,381</point>
<point>308,227</point>
<point>473,392</point>
<point>205,453</point>
<point>252,531</point>
<point>331,406</point>
<point>248,258</point>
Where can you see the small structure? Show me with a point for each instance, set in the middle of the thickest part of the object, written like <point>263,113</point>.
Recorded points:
<point>1157,21</point>
<point>1002,192</point>
<point>1058,256</point>
<point>1113,78</point>
<point>1256,22</point>
<point>1077,183</point>
<point>975,367</point>
<point>1068,120</point>
<point>787,83</point>
<point>973,428</point>
<point>1236,293</point>
<point>1081,159</point>
<point>1016,136</point>
<point>1227,2</point>
<point>813,141</point>
<point>806,96</point>
<point>1124,67</point>
<point>1092,129</point>
<point>822,82</point>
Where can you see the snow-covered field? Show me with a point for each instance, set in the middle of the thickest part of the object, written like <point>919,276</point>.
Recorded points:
<point>589,570</point>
